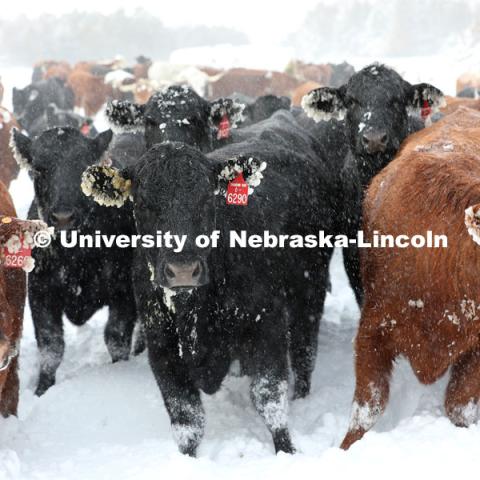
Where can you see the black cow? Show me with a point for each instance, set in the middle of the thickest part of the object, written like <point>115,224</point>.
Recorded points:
<point>375,104</point>
<point>31,102</point>
<point>264,107</point>
<point>202,308</point>
<point>57,117</point>
<point>178,114</point>
<point>74,281</point>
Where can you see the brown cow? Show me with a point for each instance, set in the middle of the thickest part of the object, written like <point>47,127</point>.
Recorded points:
<point>253,83</point>
<point>50,68</point>
<point>8,166</point>
<point>310,72</point>
<point>301,91</point>
<point>90,90</point>
<point>423,303</point>
<point>454,103</point>
<point>12,301</point>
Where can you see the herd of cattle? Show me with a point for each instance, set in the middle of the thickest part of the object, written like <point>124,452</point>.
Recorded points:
<point>365,150</point>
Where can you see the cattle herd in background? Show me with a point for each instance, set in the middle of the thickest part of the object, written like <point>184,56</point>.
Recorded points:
<point>321,147</point>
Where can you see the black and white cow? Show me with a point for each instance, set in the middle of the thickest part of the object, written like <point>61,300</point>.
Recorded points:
<point>203,308</point>
<point>376,106</point>
<point>178,114</point>
<point>74,281</point>
<point>31,102</point>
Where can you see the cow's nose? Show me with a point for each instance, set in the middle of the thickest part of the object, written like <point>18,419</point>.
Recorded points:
<point>183,274</point>
<point>63,219</point>
<point>375,141</point>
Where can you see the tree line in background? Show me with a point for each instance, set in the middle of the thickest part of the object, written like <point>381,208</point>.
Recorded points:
<point>387,28</point>
<point>93,36</point>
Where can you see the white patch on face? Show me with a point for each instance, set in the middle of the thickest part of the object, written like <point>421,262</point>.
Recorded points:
<point>168,295</point>
<point>361,126</point>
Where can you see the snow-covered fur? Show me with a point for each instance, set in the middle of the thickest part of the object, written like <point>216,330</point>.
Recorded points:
<point>176,113</point>
<point>75,281</point>
<point>196,331</point>
<point>374,105</point>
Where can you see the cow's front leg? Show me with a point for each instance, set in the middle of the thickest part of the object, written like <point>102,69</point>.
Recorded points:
<point>47,320</point>
<point>122,316</point>
<point>181,398</point>
<point>269,387</point>
<point>269,393</point>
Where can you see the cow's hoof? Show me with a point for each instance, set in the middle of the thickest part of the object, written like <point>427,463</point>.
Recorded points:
<point>301,390</point>
<point>283,442</point>
<point>44,383</point>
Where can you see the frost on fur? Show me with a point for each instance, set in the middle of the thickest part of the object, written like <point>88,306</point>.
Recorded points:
<point>19,142</point>
<point>106,185</point>
<point>323,104</point>
<point>425,94</point>
<point>271,401</point>
<point>125,116</point>
<point>230,108</point>
<point>472,222</point>
<point>363,416</point>
<point>251,168</point>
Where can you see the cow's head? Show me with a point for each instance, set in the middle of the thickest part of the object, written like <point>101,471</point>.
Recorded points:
<point>176,114</point>
<point>27,104</point>
<point>375,104</point>
<point>265,106</point>
<point>174,188</point>
<point>56,160</point>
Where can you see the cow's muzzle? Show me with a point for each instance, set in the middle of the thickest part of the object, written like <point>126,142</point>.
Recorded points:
<point>187,274</point>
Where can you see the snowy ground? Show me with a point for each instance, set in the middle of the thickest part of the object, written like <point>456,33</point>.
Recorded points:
<point>105,421</point>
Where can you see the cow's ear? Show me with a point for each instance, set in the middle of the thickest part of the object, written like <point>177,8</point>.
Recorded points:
<point>108,186</point>
<point>325,103</point>
<point>472,222</point>
<point>250,167</point>
<point>226,108</point>
<point>425,96</point>
<point>101,143</point>
<point>21,147</point>
<point>125,116</point>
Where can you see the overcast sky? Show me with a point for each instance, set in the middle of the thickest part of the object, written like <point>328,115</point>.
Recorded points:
<point>263,21</point>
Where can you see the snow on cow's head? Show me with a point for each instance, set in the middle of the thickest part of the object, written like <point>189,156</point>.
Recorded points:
<point>56,160</point>
<point>375,103</point>
<point>177,113</point>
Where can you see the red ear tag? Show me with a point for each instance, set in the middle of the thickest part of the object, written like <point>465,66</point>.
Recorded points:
<point>16,260</point>
<point>85,129</point>
<point>223,128</point>
<point>237,191</point>
<point>426,110</point>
